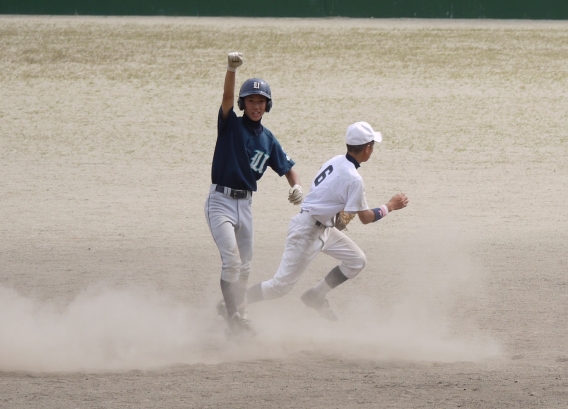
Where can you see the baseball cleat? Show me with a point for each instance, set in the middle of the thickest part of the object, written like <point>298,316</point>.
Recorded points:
<point>240,327</point>
<point>313,300</point>
<point>222,310</point>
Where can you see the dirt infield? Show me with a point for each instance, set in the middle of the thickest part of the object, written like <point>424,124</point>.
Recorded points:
<point>109,273</point>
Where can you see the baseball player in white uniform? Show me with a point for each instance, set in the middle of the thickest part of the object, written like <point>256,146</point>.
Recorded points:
<point>337,186</point>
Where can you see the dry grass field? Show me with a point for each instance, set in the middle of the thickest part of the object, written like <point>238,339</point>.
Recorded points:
<point>109,275</point>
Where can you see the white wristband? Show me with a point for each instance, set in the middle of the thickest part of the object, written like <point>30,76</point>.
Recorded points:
<point>232,69</point>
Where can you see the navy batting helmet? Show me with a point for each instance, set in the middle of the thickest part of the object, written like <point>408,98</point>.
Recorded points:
<point>255,86</point>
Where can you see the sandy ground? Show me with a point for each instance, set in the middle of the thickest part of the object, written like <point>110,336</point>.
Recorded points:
<point>109,275</point>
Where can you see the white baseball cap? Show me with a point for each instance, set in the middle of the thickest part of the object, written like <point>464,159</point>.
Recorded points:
<point>361,133</point>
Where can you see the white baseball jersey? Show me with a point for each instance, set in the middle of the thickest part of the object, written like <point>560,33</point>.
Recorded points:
<point>337,187</point>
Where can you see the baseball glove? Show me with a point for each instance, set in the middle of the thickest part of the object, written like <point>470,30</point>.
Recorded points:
<point>342,219</point>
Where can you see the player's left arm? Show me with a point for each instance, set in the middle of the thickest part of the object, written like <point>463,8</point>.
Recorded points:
<point>296,194</point>
<point>293,177</point>
<point>397,202</point>
<point>283,165</point>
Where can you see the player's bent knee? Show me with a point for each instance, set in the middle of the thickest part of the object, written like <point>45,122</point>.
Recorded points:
<point>230,275</point>
<point>363,262</point>
<point>231,269</point>
<point>352,268</point>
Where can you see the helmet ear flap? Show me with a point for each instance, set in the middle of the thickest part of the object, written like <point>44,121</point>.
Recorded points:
<point>268,105</point>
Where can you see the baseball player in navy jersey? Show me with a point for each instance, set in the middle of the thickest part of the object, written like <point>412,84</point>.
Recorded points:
<point>243,151</point>
<point>337,186</point>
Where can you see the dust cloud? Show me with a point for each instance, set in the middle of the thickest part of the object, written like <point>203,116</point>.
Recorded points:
<point>431,314</point>
<point>102,329</point>
<point>431,317</point>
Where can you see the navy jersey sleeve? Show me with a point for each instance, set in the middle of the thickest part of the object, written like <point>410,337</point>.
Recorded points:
<point>222,125</point>
<point>280,162</point>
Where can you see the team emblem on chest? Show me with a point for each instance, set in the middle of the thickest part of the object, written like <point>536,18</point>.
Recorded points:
<point>258,161</point>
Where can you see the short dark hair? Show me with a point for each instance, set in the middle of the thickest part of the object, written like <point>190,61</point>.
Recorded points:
<point>358,148</point>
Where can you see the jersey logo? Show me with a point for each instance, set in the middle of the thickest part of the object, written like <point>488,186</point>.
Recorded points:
<point>323,175</point>
<point>256,85</point>
<point>258,161</point>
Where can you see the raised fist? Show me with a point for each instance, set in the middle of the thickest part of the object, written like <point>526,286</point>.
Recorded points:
<point>235,60</point>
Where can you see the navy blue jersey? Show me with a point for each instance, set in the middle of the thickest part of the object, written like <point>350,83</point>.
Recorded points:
<point>241,157</point>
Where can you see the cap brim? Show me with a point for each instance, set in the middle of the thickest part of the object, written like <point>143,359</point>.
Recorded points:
<point>378,136</point>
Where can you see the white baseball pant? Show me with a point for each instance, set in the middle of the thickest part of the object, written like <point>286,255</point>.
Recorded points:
<point>304,242</point>
<point>230,223</point>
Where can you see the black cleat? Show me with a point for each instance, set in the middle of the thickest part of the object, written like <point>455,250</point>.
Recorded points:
<point>222,310</point>
<point>318,303</point>
<point>240,327</point>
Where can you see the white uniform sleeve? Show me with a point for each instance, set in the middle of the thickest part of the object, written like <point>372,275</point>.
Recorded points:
<point>356,200</point>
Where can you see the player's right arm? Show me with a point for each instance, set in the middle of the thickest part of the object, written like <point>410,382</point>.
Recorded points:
<point>234,60</point>
<point>397,202</point>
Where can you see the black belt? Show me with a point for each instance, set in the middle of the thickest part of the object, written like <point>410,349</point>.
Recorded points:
<point>234,193</point>
<point>319,224</point>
